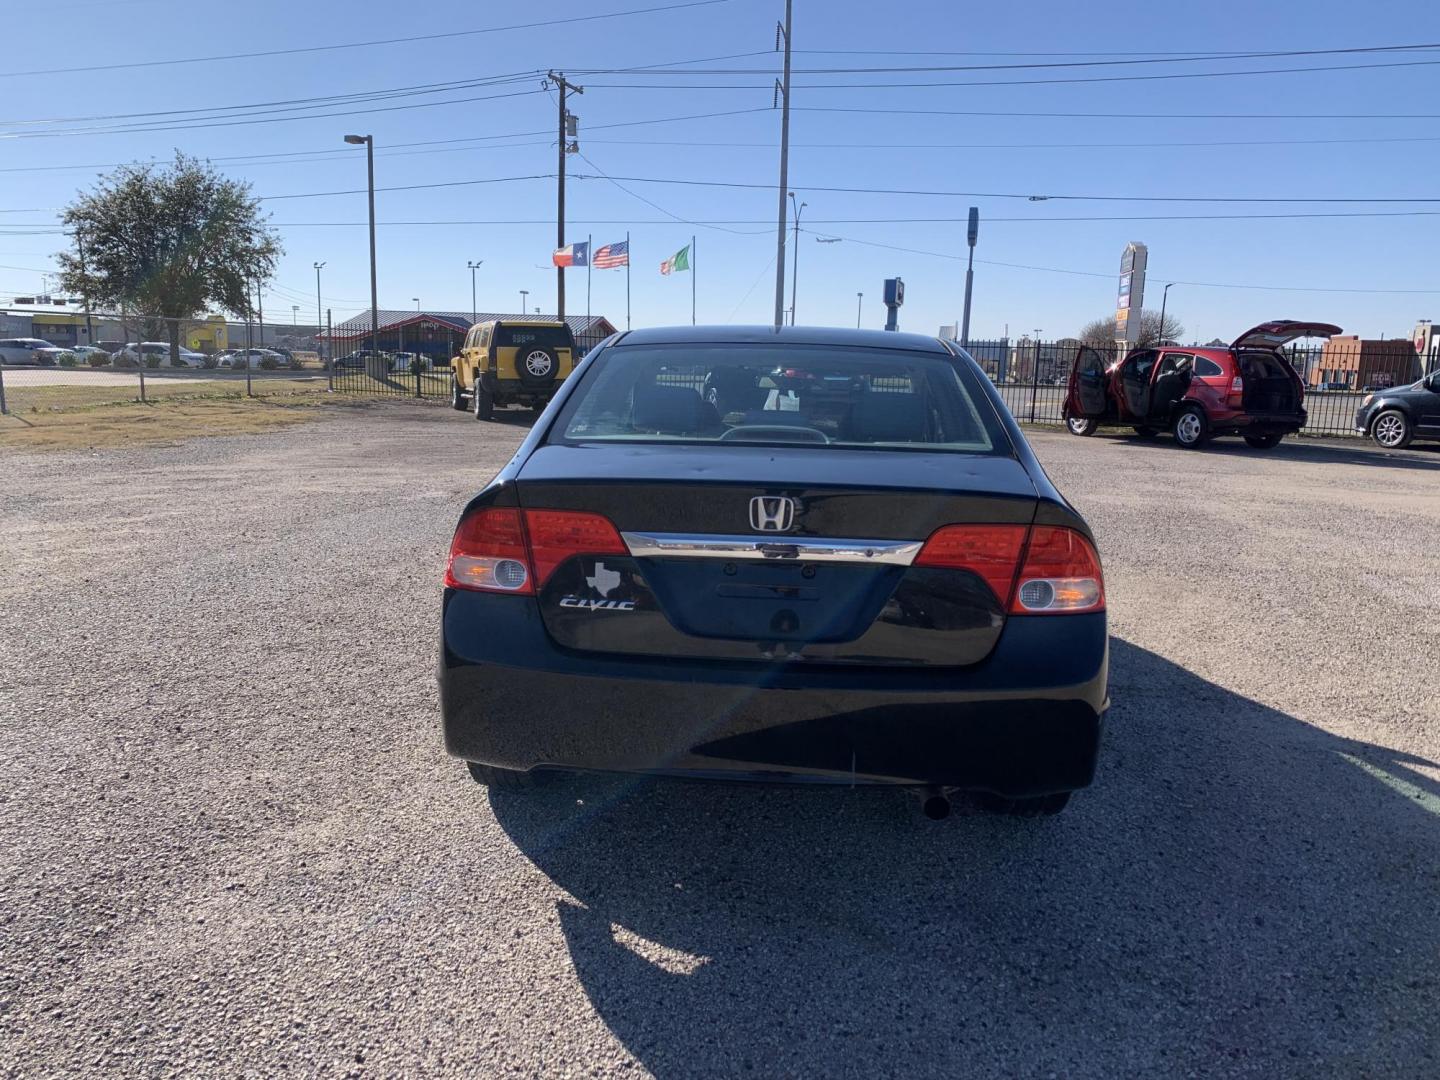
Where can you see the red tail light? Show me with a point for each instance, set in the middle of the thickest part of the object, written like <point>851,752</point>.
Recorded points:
<point>488,553</point>
<point>502,549</point>
<point>555,535</point>
<point>990,551</point>
<point>1237,390</point>
<point>1061,575</point>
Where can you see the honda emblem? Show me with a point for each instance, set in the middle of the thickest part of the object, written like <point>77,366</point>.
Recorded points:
<point>772,513</point>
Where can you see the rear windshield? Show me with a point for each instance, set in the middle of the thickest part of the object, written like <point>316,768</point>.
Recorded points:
<point>544,337</point>
<point>799,394</point>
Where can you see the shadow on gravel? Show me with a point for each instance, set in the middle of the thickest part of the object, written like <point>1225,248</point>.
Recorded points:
<point>1239,892</point>
<point>1417,456</point>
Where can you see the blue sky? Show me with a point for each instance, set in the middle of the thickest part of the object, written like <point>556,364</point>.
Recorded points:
<point>510,224</point>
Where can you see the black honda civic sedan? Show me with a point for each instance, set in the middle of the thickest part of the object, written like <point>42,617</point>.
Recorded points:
<point>802,555</point>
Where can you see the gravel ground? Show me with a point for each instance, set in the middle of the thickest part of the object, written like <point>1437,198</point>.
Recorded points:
<point>234,846</point>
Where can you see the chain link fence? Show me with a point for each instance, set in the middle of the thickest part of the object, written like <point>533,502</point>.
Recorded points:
<point>1032,376</point>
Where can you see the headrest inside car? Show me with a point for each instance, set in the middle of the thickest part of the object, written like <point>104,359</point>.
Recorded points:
<point>888,417</point>
<point>672,410</point>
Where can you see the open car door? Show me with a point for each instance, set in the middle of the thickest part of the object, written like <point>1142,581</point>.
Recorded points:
<point>1087,397</point>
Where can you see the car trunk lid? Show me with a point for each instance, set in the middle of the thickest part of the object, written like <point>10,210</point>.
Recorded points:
<point>1278,332</point>
<point>709,571</point>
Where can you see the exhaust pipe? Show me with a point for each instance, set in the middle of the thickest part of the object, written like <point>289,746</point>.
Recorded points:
<point>934,803</point>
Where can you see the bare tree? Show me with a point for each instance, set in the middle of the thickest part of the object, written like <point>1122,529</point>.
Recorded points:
<point>1102,331</point>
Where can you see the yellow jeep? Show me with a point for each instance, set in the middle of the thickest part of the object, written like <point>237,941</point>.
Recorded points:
<point>510,362</point>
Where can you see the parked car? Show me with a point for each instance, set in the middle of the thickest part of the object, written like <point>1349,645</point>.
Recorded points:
<point>1395,417</point>
<point>404,361</point>
<point>240,359</point>
<point>142,354</point>
<point>30,351</point>
<point>83,353</point>
<point>1196,392</point>
<point>505,363</point>
<point>880,587</point>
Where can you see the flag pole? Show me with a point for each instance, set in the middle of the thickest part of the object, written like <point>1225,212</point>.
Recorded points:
<point>692,281</point>
<point>589,264</point>
<point>628,261</point>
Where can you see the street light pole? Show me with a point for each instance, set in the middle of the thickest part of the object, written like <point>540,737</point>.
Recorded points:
<point>472,267</point>
<point>524,299</point>
<point>1160,330</point>
<point>377,368</point>
<point>859,304</point>
<point>318,323</point>
<point>795,257</point>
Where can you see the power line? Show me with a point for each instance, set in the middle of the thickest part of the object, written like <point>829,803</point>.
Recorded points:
<point>1021,82</point>
<point>1120,115</point>
<point>370,44</point>
<point>1110,276</point>
<point>411,187</point>
<point>1032,197</point>
<point>668,213</point>
<point>131,129</point>
<point>359,95</point>
<point>1150,59</point>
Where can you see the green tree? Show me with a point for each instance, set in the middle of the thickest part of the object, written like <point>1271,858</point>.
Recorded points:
<point>1102,331</point>
<point>170,243</point>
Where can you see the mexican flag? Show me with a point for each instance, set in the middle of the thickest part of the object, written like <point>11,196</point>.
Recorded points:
<point>679,261</point>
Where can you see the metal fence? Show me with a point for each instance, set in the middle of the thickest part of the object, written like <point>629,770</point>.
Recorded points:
<point>1033,379</point>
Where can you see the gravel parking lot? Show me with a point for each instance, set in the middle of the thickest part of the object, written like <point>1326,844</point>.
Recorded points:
<point>233,844</point>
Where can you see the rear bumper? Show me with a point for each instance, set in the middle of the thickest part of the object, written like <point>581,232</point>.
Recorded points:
<point>1261,423</point>
<point>1027,721</point>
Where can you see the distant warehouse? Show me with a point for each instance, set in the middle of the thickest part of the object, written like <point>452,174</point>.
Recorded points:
<point>1358,362</point>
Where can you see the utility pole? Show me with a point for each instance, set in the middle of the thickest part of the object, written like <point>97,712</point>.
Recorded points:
<point>566,128</point>
<point>859,305</point>
<point>782,88</point>
<point>795,258</point>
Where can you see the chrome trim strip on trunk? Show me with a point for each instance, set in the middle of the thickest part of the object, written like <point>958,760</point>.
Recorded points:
<point>779,546</point>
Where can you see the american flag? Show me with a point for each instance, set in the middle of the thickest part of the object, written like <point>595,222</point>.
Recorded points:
<point>612,255</point>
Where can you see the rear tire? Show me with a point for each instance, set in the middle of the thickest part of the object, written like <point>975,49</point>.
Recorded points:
<point>1392,430</point>
<point>1264,442</point>
<point>1082,425</point>
<point>484,401</point>
<point>457,398</point>
<point>493,777</point>
<point>1038,806</point>
<point>1191,429</point>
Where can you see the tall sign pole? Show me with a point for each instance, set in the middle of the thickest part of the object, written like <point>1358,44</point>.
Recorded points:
<point>1131,299</point>
<point>783,89</point>
<point>565,88</point>
<point>970,236</point>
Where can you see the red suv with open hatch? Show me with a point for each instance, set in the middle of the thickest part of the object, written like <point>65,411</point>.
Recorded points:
<point>1195,392</point>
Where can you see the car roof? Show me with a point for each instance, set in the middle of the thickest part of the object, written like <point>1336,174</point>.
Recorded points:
<point>789,335</point>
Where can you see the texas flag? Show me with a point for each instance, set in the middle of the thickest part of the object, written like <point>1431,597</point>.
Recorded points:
<point>572,255</point>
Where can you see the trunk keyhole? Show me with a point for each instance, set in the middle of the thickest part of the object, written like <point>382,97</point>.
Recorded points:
<point>729,569</point>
